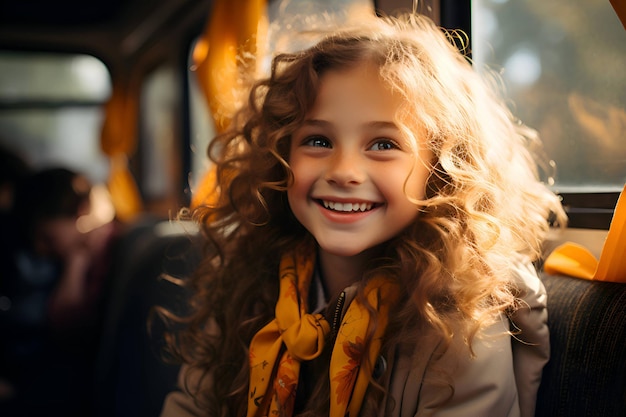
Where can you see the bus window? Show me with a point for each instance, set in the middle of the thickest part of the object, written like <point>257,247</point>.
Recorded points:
<point>51,109</point>
<point>160,152</point>
<point>563,63</point>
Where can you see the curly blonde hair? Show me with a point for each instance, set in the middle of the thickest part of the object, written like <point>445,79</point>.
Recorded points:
<point>484,205</point>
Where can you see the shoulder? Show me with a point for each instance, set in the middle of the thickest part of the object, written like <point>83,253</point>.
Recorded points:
<point>530,288</point>
<point>443,381</point>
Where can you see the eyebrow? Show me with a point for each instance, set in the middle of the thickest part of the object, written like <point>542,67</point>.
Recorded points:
<point>373,124</point>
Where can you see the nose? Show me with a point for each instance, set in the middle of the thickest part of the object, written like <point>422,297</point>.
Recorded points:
<point>346,168</point>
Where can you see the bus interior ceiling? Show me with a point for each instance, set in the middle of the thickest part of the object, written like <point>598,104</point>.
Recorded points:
<point>124,34</point>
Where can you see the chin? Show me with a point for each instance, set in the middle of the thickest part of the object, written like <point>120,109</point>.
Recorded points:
<point>345,251</point>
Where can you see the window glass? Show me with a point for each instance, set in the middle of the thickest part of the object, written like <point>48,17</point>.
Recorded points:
<point>68,136</point>
<point>563,64</point>
<point>52,77</point>
<point>159,152</point>
<point>50,110</point>
<point>288,19</point>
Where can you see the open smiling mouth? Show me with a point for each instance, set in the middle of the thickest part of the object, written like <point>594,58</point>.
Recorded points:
<point>348,207</point>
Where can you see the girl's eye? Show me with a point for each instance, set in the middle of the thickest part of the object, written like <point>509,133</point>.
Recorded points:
<point>317,142</point>
<point>384,145</point>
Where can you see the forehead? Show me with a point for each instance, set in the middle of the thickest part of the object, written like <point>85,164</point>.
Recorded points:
<point>359,87</point>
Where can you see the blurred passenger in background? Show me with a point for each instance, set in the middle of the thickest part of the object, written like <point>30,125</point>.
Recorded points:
<point>52,284</point>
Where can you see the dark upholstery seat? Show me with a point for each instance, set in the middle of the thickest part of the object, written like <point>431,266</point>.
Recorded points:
<point>131,377</point>
<point>586,375</point>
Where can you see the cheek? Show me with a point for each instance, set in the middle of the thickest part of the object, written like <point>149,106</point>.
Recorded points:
<point>396,186</point>
<point>303,174</point>
<point>298,191</point>
<point>416,184</point>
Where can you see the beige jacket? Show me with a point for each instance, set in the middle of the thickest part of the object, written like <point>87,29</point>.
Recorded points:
<point>501,380</point>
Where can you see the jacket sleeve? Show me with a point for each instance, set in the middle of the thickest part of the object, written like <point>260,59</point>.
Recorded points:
<point>181,402</point>
<point>531,338</point>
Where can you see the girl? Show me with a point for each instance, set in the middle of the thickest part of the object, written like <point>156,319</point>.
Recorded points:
<point>370,249</point>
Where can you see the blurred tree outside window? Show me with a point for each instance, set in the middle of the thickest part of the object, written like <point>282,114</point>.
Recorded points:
<point>563,64</point>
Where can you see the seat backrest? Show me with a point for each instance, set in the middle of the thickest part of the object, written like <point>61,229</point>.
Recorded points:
<point>132,379</point>
<point>586,374</point>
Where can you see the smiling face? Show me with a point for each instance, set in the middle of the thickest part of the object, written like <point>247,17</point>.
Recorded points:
<point>351,163</point>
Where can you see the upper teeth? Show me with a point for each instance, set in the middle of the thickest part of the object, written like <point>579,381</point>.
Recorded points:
<point>347,206</point>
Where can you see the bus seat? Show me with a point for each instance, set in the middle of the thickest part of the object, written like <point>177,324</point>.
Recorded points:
<point>586,374</point>
<point>131,377</point>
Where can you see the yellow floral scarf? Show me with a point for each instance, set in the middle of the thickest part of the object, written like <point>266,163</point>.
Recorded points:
<point>295,335</point>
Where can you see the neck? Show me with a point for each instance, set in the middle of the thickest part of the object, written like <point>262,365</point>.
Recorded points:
<point>339,272</point>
